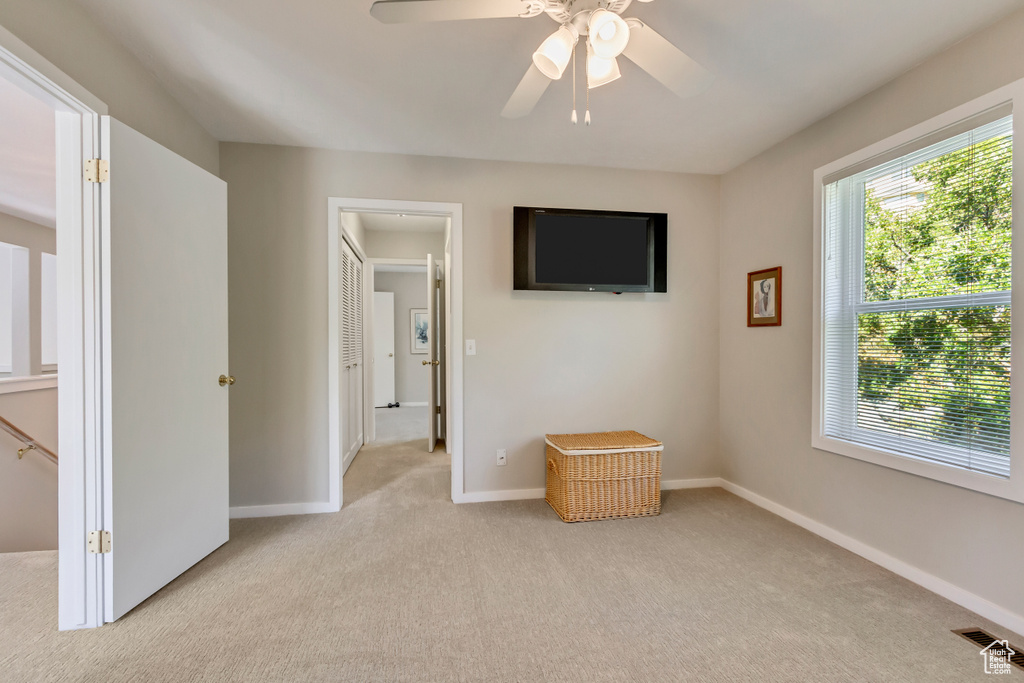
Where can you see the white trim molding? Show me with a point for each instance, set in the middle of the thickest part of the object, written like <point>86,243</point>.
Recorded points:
<point>335,233</point>
<point>499,496</point>
<point>279,510</point>
<point>13,385</point>
<point>534,494</point>
<point>953,593</point>
<point>677,484</point>
<point>82,345</point>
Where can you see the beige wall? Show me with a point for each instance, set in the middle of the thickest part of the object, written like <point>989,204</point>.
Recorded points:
<point>28,487</point>
<point>63,33</point>
<point>765,397</point>
<point>405,245</point>
<point>411,379</point>
<point>547,362</point>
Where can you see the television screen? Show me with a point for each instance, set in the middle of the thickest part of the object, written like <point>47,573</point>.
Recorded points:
<point>590,250</point>
<point>595,251</point>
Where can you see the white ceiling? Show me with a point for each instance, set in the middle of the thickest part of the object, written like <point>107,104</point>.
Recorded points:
<point>392,222</point>
<point>323,73</point>
<point>28,156</point>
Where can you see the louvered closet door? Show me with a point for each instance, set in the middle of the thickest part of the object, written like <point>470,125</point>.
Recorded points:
<point>356,441</point>
<point>351,355</point>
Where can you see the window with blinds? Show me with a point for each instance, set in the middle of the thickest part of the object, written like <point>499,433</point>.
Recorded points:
<point>916,299</point>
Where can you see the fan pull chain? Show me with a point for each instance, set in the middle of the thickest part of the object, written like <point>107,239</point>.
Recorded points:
<point>574,119</point>
<point>586,119</point>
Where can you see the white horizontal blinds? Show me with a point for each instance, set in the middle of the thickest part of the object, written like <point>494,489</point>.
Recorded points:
<point>347,333</point>
<point>357,296</point>
<point>917,302</point>
<point>351,308</point>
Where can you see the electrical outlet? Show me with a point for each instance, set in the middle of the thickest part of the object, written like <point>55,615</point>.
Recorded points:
<point>502,458</point>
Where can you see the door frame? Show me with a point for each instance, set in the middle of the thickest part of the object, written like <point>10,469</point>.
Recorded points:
<point>369,282</point>
<point>335,233</point>
<point>83,295</point>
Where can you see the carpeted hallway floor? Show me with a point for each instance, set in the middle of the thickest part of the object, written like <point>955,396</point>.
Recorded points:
<point>402,585</point>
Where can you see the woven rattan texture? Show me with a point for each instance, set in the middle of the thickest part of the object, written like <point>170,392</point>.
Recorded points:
<point>597,485</point>
<point>602,441</point>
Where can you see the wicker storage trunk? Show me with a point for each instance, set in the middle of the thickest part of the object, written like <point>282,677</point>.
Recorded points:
<point>603,476</point>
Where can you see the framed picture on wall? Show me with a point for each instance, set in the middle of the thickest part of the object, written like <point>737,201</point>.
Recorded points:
<point>419,326</point>
<point>764,297</point>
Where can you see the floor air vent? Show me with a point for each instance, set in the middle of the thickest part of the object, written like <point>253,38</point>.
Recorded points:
<point>983,639</point>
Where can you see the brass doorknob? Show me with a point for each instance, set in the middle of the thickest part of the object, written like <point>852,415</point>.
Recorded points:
<point>390,355</point>
<point>437,362</point>
<point>426,362</point>
<point>226,380</point>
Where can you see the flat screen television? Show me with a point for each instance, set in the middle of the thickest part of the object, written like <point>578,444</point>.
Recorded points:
<point>589,251</point>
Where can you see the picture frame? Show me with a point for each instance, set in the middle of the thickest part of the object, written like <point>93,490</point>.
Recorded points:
<point>419,330</point>
<point>764,297</point>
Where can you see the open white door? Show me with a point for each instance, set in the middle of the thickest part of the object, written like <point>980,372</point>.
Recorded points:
<point>432,357</point>
<point>166,462</point>
<point>442,345</point>
<point>383,349</point>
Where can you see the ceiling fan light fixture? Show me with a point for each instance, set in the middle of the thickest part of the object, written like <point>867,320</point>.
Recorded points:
<point>600,71</point>
<point>608,33</point>
<point>554,53</point>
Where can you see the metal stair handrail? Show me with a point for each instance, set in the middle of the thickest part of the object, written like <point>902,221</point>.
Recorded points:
<point>30,443</point>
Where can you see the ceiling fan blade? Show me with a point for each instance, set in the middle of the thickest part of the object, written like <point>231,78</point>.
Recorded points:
<point>527,94</point>
<point>402,11</point>
<point>649,50</point>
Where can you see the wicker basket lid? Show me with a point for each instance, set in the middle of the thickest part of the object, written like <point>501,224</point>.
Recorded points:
<point>601,441</point>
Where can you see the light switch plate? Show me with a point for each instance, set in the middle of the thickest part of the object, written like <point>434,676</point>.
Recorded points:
<point>471,347</point>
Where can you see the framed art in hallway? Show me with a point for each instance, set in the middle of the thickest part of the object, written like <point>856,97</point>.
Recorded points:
<point>764,297</point>
<point>419,327</point>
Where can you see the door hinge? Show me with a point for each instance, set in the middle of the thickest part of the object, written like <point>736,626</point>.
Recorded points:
<point>97,170</point>
<point>99,542</point>
<point>439,410</point>
<point>439,283</point>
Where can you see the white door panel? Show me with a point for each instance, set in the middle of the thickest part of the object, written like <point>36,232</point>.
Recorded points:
<point>383,349</point>
<point>432,355</point>
<point>351,302</point>
<point>166,462</point>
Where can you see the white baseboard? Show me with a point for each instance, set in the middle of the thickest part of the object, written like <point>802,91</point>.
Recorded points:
<point>964,598</point>
<point>496,496</point>
<point>532,494</point>
<point>674,484</point>
<point>244,511</point>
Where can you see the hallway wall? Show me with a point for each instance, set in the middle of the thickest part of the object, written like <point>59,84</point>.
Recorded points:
<point>410,292</point>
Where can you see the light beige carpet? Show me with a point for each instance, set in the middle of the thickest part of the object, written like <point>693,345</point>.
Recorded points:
<point>402,585</point>
<point>406,424</point>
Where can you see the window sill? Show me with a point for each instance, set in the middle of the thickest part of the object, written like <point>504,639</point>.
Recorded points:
<point>13,385</point>
<point>1010,489</point>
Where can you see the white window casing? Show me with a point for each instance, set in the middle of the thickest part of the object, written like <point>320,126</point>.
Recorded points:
<point>987,459</point>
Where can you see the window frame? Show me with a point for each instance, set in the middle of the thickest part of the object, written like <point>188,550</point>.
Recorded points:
<point>1013,487</point>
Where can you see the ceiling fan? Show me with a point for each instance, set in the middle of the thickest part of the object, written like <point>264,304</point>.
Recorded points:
<point>607,35</point>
